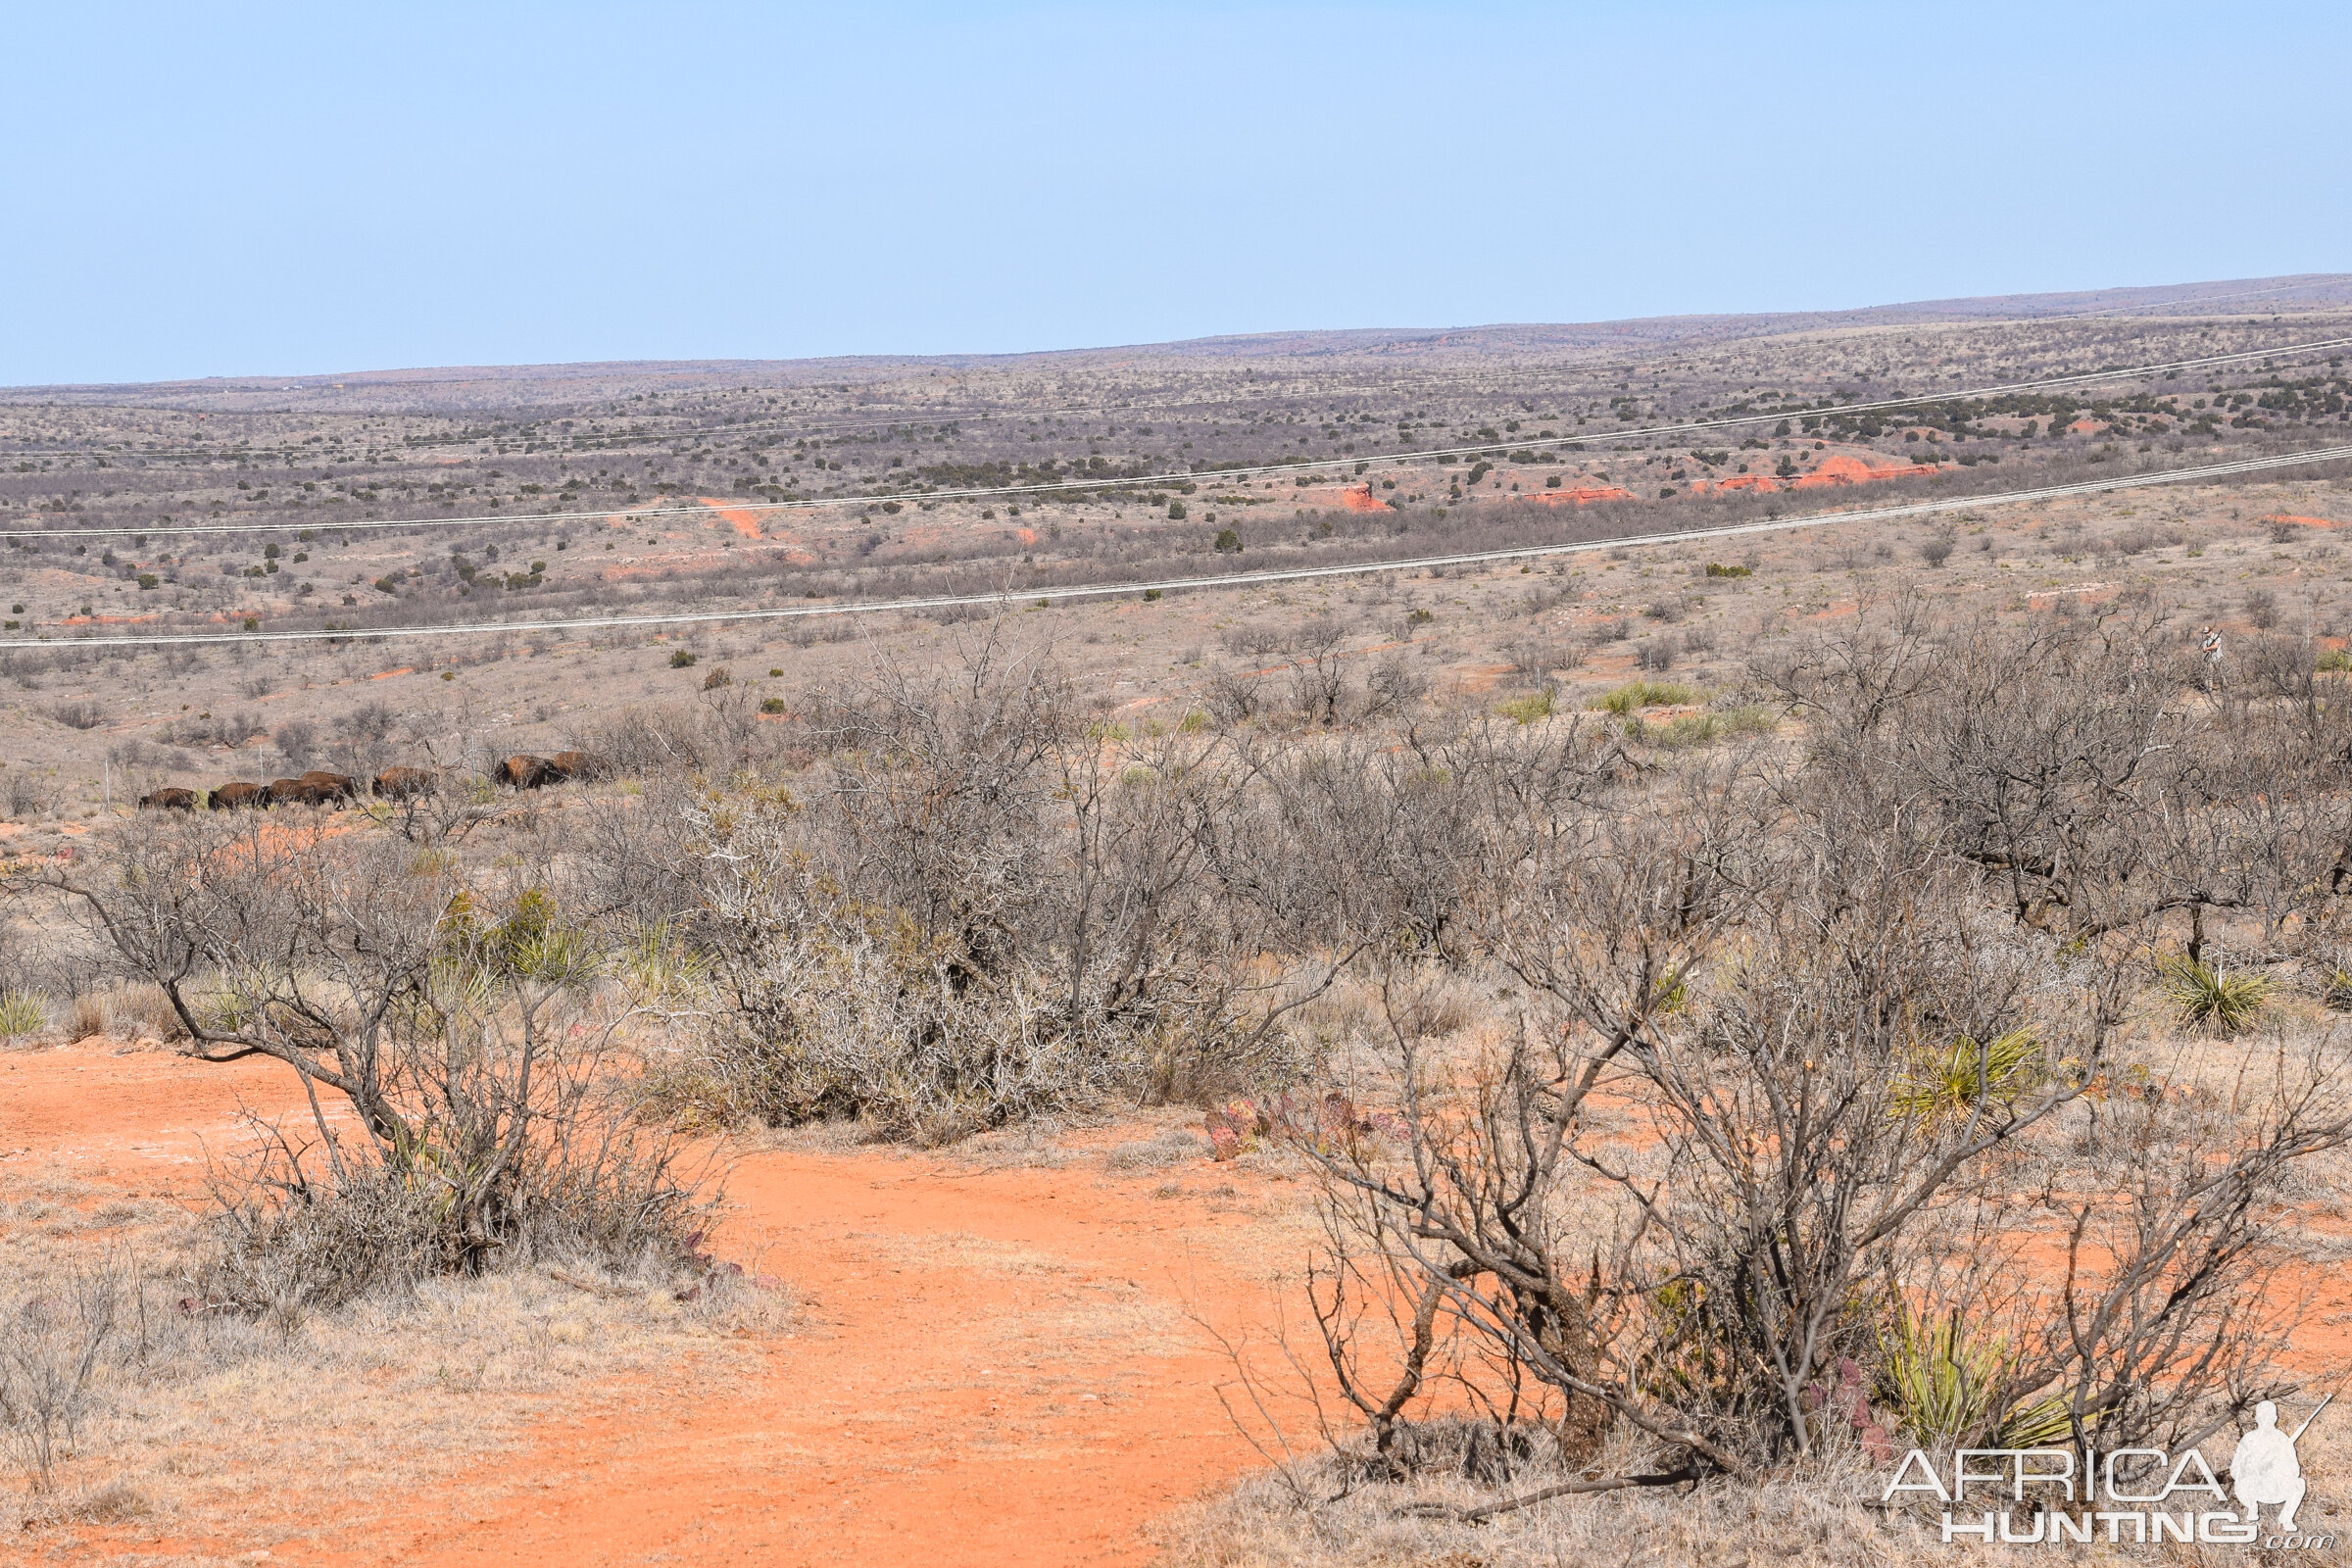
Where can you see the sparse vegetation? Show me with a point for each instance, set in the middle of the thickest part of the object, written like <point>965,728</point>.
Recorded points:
<point>1678,1062</point>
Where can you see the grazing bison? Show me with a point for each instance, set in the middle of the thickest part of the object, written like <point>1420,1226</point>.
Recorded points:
<point>168,801</point>
<point>338,785</point>
<point>404,783</point>
<point>573,764</point>
<point>527,772</point>
<point>228,797</point>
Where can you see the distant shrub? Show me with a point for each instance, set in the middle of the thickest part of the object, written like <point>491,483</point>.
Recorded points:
<point>1636,694</point>
<point>1691,729</point>
<point>1228,541</point>
<point>682,659</point>
<point>1527,710</point>
<point>1716,569</point>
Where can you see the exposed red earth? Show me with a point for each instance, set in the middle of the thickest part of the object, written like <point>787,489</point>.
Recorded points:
<point>991,1365</point>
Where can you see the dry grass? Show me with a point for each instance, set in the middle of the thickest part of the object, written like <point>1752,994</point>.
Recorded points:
<point>1308,1514</point>
<point>350,1411</point>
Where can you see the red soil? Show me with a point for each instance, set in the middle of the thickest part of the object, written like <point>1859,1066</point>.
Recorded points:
<point>1359,498</point>
<point>993,1366</point>
<point>1839,469</point>
<point>746,523</point>
<point>2308,522</point>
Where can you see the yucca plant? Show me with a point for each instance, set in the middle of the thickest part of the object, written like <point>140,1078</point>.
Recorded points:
<point>1943,1385</point>
<point>2205,998</point>
<point>1954,1081</point>
<point>1527,710</point>
<point>22,1014</point>
<point>2337,996</point>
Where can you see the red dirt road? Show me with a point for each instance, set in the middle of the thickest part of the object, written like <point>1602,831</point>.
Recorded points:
<point>990,1366</point>
<point>998,1371</point>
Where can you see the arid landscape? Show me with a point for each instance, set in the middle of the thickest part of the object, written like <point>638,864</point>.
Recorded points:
<point>1590,1054</point>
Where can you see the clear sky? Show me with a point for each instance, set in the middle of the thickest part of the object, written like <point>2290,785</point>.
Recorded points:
<point>200,189</point>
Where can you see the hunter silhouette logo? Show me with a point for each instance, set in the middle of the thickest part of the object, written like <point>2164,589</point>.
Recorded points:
<point>2137,1496</point>
<point>2265,1470</point>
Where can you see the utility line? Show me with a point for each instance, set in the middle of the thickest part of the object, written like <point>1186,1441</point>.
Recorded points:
<point>1199,476</point>
<point>1008,597</point>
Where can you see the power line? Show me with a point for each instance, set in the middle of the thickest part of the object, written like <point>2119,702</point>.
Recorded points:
<point>1008,597</point>
<point>1199,476</point>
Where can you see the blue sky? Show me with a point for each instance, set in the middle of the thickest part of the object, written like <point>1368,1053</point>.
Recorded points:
<point>216,189</point>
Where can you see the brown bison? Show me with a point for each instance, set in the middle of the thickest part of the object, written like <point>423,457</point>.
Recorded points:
<point>168,801</point>
<point>574,764</point>
<point>301,792</point>
<point>527,772</point>
<point>228,797</point>
<point>404,783</point>
<point>339,786</point>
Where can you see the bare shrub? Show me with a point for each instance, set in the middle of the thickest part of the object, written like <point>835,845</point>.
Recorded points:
<point>1235,696</point>
<point>1857,1001</point>
<point>978,914</point>
<point>471,1039</point>
<point>297,740</point>
<point>23,792</point>
<point>51,1352</point>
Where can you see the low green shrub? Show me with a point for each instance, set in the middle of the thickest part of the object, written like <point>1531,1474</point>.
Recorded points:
<point>2205,998</point>
<point>1637,694</point>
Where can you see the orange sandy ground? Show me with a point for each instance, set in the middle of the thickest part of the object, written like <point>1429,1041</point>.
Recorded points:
<point>897,1423</point>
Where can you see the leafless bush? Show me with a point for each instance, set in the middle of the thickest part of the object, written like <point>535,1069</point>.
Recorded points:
<point>1535,658</point>
<point>1393,686</point>
<point>52,1350</point>
<point>362,742</point>
<point>471,1041</point>
<point>979,913</point>
<point>1235,695</point>
<point>1861,1000</point>
<point>23,792</point>
<point>717,733</point>
<point>297,740</point>
<point>81,714</point>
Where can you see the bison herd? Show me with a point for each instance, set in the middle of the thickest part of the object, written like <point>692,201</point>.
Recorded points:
<point>319,788</point>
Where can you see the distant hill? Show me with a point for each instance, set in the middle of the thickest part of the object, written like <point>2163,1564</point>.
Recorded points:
<point>454,389</point>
